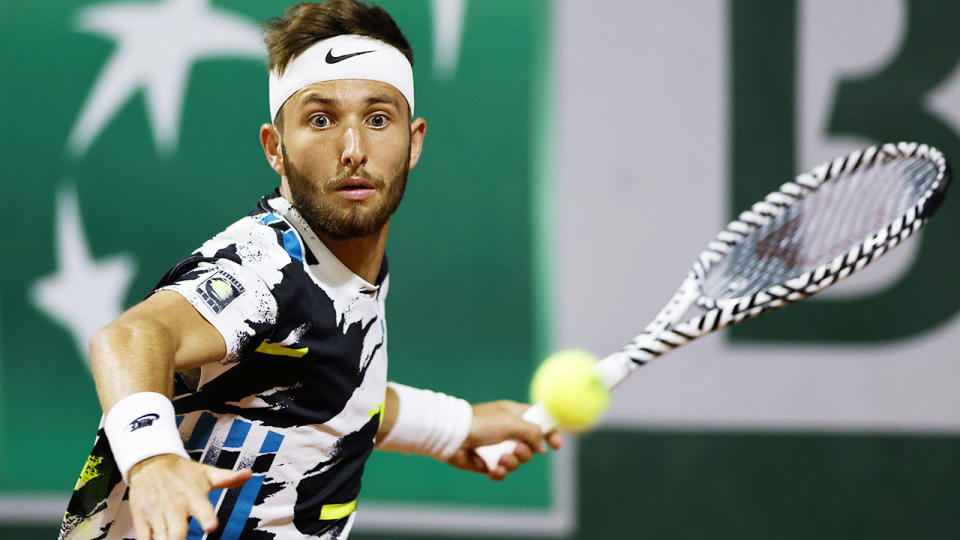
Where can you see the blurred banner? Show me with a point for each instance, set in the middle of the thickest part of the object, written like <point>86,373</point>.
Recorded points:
<point>690,132</point>
<point>579,155</point>
<point>137,138</point>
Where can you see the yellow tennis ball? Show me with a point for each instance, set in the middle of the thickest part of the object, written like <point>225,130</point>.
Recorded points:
<point>570,389</point>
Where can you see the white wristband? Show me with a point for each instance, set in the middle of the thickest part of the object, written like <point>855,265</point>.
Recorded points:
<point>140,426</point>
<point>428,423</point>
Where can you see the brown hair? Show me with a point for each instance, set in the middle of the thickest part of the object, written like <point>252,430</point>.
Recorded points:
<point>306,23</point>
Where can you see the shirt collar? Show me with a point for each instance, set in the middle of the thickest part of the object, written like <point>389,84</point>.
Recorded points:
<point>327,265</point>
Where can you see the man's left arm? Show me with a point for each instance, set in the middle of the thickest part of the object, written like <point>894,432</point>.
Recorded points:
<point>449,429</point>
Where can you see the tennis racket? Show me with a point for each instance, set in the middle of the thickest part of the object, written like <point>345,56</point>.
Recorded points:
<point>811,233</point>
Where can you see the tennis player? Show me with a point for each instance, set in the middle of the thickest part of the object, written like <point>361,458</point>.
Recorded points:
<point>250,388</point>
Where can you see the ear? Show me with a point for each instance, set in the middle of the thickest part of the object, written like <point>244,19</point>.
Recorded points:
<point>270,141</point>
<point>417,131</point>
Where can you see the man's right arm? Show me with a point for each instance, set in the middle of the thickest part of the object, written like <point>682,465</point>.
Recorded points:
<point>139,352</point>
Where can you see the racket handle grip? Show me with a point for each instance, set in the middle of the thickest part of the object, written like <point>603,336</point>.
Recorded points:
<point>612,370</point>
<point>538,415</point>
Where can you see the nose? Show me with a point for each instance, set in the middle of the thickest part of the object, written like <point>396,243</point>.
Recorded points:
<point>354,155</point>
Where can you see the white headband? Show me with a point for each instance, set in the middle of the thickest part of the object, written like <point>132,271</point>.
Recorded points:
<point>342,57</point>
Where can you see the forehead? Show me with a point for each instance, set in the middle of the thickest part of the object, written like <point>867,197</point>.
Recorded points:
<point>348,93</point>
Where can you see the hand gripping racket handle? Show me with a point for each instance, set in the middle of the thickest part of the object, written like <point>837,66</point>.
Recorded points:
<point>612,370</point>
<point>538,415</point>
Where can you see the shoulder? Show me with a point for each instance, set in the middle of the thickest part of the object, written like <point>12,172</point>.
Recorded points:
<point>261,246</point>
<point>263,242</point>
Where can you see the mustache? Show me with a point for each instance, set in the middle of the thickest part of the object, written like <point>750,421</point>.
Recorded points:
<point>337,181</point>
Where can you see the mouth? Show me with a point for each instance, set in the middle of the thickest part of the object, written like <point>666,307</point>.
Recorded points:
<point>356,188</point>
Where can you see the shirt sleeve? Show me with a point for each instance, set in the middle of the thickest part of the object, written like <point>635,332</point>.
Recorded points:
<point>234,299</point>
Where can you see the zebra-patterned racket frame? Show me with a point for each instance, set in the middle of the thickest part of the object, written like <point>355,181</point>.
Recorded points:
<point>666,333</point>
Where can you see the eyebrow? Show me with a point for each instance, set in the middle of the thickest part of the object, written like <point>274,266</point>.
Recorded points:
<point>314,98</point>
<point>380,98</point>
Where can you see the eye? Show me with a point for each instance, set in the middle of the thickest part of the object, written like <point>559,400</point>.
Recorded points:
<point>320,121</point>
<point>379,120</point>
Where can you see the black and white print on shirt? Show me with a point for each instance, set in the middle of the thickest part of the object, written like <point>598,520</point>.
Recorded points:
<point>298,397</point>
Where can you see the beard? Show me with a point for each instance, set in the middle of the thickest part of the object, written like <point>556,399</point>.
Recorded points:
<point>326,217</point>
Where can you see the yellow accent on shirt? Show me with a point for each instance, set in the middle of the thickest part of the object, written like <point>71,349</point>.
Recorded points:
<point>337,511</point>
<point>280,350</point>
<point>375,410</point>
<point>89,471</point>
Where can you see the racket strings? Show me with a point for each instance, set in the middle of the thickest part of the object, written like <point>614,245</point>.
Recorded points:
<point>862,204</point>
<point>821,226</point>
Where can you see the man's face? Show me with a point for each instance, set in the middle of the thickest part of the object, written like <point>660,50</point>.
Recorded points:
<point>346,153</point>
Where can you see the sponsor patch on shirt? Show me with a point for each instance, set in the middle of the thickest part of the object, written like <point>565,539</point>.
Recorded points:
<point>219,290</point>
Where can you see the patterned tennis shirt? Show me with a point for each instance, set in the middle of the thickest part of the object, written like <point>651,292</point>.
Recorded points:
<point>298,397</point>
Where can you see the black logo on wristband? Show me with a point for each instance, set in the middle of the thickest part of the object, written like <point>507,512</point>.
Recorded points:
<point>144,421</point>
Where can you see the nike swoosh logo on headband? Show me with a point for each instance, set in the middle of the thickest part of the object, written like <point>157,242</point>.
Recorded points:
<point>331,59</point>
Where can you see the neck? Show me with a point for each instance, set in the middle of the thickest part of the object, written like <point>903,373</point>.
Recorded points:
<point>363,256</point>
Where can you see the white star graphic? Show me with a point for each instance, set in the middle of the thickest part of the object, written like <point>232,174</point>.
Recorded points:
<point>156,45</point>
<point>83,294</point>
